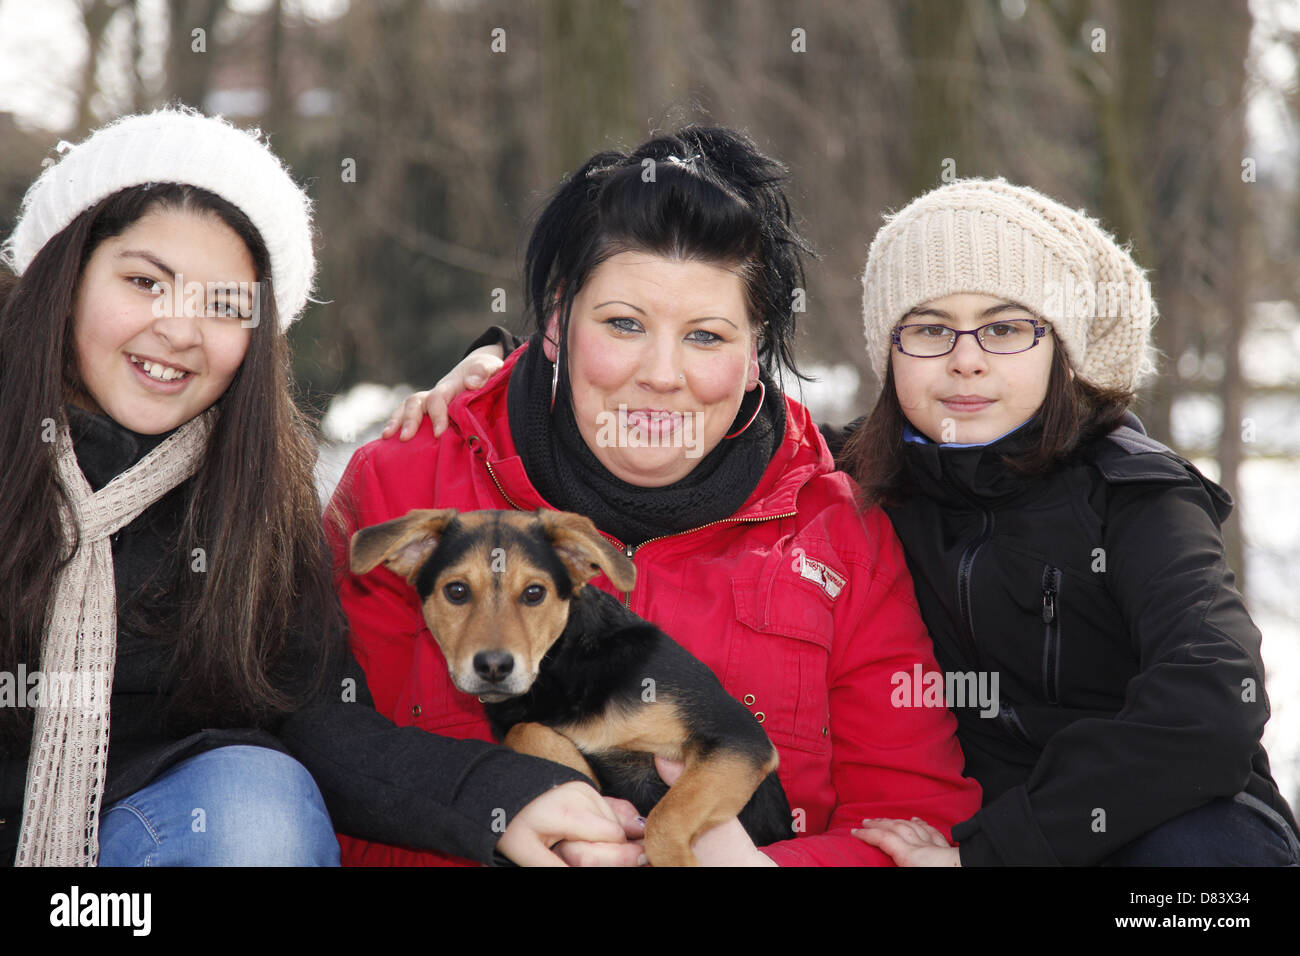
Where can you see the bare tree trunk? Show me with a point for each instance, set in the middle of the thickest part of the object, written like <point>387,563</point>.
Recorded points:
<point>95,16</point>
<point>277,93</point>
<point>1229,45</point>
<point>941,35</point>
<point>591,105</point>
<point>191,49</point>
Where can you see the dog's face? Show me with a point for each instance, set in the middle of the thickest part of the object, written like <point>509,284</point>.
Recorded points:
<point>495,586</point>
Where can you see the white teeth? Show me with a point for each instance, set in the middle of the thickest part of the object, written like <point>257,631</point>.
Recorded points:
<point>164,373</point>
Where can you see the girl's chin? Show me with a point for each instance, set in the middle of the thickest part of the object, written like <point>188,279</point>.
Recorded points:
<point>146,421</point>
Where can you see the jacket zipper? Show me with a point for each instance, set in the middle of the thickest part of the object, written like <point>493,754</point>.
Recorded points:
<point>963,585</point>
<point>628,549</point>
<point>1051,634</point>
<point>1007,716</point>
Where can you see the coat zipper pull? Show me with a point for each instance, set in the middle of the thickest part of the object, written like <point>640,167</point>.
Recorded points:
<point>1049,598</point>
<point>627,595</point>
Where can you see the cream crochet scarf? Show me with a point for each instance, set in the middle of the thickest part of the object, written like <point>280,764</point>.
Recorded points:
<point>66,770</point>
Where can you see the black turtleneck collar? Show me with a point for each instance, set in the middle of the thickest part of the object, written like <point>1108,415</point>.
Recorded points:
<point>970,474</point>
<point>104,448</point>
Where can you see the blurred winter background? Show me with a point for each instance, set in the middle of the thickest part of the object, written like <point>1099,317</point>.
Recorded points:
<point>427,132</point>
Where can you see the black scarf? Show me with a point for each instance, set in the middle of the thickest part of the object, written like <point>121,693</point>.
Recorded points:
<point>569,476</point>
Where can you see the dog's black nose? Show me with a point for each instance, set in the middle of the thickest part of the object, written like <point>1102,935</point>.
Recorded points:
<point>494,665</point>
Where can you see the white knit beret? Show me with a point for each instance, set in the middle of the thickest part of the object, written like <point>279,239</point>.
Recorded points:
<point>989,237</point>
<point>177,146</point>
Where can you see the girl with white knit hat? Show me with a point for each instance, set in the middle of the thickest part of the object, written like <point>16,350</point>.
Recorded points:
<point>169,631</point>
<point>1104,671</point>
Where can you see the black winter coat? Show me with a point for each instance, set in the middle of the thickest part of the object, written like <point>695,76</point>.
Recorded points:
<point>1130,679</point>
<point>380,782</point>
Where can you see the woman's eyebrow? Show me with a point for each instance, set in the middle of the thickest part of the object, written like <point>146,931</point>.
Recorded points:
<point>148,257</point>
<point>619,302</point>
<point>710,318</point>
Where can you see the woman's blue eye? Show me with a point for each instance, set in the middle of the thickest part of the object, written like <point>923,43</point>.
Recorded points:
<point>705,337</point>
<point>624,324</point>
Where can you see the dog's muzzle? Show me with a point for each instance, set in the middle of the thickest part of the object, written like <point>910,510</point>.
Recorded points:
<point>496,677</point>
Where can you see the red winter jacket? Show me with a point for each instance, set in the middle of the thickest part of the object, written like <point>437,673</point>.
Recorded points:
<point>800,603</point>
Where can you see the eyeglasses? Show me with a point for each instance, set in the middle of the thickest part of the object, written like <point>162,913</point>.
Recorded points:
<point>999,338</point>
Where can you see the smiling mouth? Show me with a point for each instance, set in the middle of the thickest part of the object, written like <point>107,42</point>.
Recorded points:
<point>158,371</point>
<point>653,419</point>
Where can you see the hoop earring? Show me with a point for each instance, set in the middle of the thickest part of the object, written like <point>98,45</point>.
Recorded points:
<point>762,393</point>
<point>555,377</point>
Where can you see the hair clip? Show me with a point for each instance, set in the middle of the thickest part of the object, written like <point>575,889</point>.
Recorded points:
<point>687,162</point>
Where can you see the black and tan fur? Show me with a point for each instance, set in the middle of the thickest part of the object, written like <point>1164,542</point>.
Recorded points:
<point>567,673</point>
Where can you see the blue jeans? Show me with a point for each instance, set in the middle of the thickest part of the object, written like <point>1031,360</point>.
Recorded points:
<point>1229,831</point>
<point>233,806</point>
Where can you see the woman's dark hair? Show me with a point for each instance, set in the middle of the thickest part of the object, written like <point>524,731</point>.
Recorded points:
<point>252,504</point>
<point>1073,413</point>
<point>702,193</point>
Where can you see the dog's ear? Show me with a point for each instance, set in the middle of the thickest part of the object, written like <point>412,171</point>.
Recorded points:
<point>403,544</point>
<point>584,551</point>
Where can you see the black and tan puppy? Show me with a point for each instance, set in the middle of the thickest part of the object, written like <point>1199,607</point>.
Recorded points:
<point>567,673</point>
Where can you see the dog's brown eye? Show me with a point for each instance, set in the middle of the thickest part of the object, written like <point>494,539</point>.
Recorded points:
<point>456,592</point>
<point>533,594</point>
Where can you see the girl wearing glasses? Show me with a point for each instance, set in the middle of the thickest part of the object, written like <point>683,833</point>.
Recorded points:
<point>1104,671</point>
<point>1056,546</point>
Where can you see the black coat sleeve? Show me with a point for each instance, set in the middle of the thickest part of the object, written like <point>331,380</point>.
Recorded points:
<point>838,435</point>
<point>1193,713</point>
<point>496,335</point>
<point>403,785</point>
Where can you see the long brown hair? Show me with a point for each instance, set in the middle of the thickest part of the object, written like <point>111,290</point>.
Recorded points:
<point>252,505</point>
<point>1073,413</point>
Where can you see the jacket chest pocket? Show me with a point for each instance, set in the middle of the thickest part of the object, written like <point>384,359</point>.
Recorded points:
<point>778,662</point>
<point>1063,636</point>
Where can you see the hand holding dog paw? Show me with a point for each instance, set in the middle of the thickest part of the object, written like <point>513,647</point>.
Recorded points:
<point>571,811</point>
<point>910,842</point>
<point>727,844</point>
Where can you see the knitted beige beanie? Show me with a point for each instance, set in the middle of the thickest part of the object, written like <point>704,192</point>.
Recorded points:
<point>989,237</point>
<point>177,146</point>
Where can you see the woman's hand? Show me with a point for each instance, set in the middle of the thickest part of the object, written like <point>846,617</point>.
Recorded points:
<point>910,842</point>
<point>472,371</point>
<point>572,811</point>
<point>727,844</point>
<point>628,853</point>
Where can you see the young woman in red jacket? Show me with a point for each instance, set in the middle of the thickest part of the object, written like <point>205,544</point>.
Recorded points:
<point>661,284</point>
